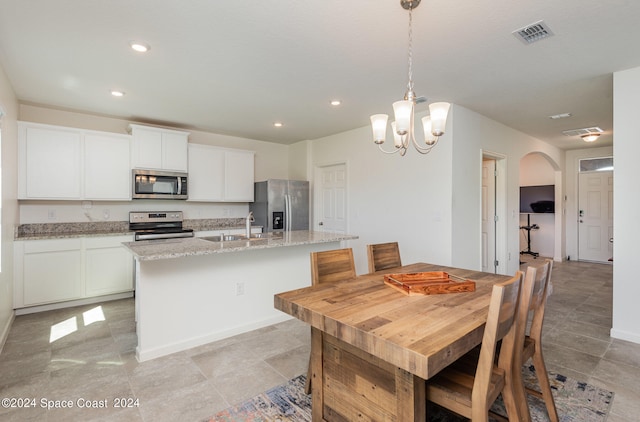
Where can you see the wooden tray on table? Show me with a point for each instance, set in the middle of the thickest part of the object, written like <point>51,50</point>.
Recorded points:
<point>429,283</point>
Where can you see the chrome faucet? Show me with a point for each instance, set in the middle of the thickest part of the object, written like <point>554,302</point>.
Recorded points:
<point>250,219</point>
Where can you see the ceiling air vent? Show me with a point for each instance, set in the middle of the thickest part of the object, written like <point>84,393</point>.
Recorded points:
<point>583,131</point>
<point>532,33</point>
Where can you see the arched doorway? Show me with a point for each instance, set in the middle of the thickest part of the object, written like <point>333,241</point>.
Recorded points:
<point>541,227</point>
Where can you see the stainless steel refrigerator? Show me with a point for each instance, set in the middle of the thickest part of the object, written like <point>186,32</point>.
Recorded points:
<point>281,205</point>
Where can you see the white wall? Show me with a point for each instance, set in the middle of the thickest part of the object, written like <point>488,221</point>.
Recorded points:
<point>271,161</point>
<point>474,135</point>
<point>535,170</point>
<point>9,209</point>
<point>573,158</point>
<point>392,198</point>
<point>430,204</point>
<point>626,230</point>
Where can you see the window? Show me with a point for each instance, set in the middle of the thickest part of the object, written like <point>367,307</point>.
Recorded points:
<point>596,164</point>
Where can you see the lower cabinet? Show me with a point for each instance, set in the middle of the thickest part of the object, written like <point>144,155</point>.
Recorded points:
<point>51,270</point>
<point>58,270</point>
<point>108,266</point>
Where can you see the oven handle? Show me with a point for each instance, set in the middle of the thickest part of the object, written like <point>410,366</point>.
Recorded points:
<point>154,236</point>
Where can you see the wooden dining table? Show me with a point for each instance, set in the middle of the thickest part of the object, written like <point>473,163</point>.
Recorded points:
<point>373,347</point>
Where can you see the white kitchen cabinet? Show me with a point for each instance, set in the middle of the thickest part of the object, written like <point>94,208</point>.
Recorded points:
<point>107,166</point>
<point>238,176</point>
<point>59,270</point>
<point>108,265</point>
<point>47,271</point>
<point>206,173</point>
<point>220,174</point>
<point>49,162</point>
<point>157,148</point>
<point>59,163</point>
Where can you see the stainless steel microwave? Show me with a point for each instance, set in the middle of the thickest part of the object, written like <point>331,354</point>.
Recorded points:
<point>158,184</point>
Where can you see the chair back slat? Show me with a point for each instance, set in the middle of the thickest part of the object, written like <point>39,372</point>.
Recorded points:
<point>502,312</point>
<point>333,265</point>
<point>383,256</point>
<point>542,290</point>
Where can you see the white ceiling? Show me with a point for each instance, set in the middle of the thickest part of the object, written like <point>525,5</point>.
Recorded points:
<point>235,67</point>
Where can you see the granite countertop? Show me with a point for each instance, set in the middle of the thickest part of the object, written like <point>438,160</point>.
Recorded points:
<point>40,231</point>
<point>149,250</point>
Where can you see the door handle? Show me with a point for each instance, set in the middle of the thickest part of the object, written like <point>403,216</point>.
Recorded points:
<point>321,223</point>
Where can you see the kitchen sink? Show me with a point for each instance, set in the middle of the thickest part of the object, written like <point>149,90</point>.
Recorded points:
<point>232,237</point>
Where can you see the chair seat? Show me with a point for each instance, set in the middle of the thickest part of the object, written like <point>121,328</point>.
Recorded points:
<point>453,386</point>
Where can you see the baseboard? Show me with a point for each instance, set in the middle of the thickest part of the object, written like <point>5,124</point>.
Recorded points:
<point>4,334</point>
<point>625,335</point>
<point>72,303</point>
<point>199,341</point>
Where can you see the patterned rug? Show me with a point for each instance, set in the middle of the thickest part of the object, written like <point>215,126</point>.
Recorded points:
<point>576,402</point>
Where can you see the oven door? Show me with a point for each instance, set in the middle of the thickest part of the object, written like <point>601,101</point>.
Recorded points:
<point>151,184</point>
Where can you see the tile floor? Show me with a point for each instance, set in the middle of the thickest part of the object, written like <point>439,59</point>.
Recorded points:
<point>95,360</point>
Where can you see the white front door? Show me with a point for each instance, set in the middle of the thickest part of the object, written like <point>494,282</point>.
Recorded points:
<point>488,215</point>
<point>332,199</point>
<point>595,216</point>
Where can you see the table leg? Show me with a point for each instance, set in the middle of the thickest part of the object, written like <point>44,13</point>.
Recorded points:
<point>411,396</point>
<point>317,396</point>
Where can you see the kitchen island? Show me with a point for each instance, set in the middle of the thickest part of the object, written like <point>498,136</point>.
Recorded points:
<point>194,291</point>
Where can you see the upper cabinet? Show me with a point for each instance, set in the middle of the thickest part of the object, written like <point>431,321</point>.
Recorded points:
<point>49,162</point>
<point>71,164</point>
<point>107,167</point>
<point>220,174</point>
<point>238,175</point>
<point>157,148</point>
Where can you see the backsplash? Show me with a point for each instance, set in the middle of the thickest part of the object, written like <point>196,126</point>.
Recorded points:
<point>114,227</point>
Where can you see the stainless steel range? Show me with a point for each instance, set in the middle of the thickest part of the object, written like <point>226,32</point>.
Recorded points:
<point>149,225</point>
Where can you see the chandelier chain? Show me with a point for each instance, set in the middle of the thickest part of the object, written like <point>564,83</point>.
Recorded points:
<point>410,83</point>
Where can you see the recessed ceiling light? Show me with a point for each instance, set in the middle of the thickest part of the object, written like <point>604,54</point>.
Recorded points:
<point>278,124</point>
<point>560,116</point>
<point>140,47</point>
<point>336,102</point>
<point>117,93</point>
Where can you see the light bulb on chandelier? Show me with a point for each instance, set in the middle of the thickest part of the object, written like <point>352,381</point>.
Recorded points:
<point>403,126</point>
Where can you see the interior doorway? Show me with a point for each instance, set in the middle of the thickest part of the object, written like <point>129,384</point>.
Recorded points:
<point>489,215</point>
<point>494,210</point>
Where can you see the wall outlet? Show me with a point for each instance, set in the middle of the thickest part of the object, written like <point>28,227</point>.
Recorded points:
<point>106,214</point>
<point>239,288</point>
<point>51,214</point>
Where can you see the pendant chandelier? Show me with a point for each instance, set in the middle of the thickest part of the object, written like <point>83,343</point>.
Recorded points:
<point>403,128</point>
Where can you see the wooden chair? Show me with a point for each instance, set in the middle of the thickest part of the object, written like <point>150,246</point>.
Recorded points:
<point>533,340</point>
<point>327,267</point>
<point>471,384</point>
<point>383,256</point>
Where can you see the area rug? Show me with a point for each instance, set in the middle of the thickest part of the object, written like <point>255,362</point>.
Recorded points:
<point>575,401</point>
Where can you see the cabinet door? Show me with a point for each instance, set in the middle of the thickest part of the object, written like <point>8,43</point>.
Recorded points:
<point>174,151</point>
<point>108,266</point>
<point>50,158</point>
<point>206,173</point>
<point>239,175</point>
<point>147,148</point>
<point>107,167</point>
<point>51,271</point>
